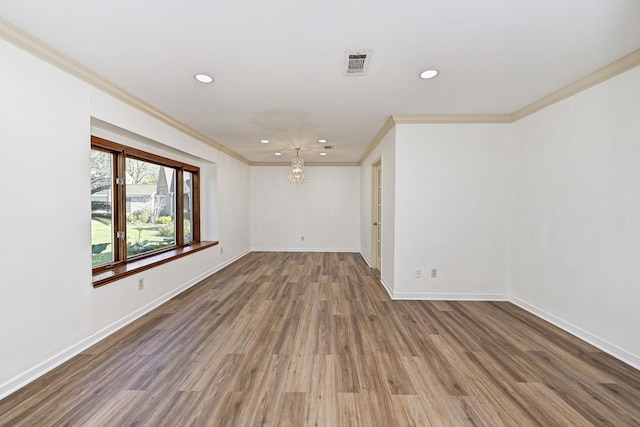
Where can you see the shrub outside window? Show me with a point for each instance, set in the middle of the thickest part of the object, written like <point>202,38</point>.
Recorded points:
<point>141,204</point>
<point>101,207</point>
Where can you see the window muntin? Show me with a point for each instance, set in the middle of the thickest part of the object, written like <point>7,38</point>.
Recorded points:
<point>148,210</point>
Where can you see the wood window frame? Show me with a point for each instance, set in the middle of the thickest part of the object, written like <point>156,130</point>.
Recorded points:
<point>124,265</point>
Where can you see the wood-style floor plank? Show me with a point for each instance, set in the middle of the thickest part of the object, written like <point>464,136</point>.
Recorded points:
<point>312,339</point>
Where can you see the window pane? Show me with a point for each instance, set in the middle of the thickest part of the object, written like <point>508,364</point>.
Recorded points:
<point>150,207</point>
<point>101,208</point>
<point>188,207</point>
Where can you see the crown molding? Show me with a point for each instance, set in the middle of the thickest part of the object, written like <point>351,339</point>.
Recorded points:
<point>270,164</point>
<point>331,164</point>
<point>389,124</point>
<point>288,164</point>
<point>431,119</point>
<point>450,118</point>
<point>607,72</point>
<point>27,42</point>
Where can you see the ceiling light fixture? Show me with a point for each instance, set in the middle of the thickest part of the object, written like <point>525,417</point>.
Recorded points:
<point>278,154</point>
<point>203,78</point>
<point>429,74</point>
<point>323,154</point>
<point>297,175</point>
<point>322,141</point>
<point>264,141</point>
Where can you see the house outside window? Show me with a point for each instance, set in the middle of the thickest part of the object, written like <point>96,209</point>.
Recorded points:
<point>141,204</point>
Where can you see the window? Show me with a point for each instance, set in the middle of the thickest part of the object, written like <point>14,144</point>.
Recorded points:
<point>142,205</point>
<point>187,214</point>
<point>101,207</point>
<point>150,209</point>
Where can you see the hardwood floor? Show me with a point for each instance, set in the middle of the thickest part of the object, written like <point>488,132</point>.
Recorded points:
<point>312,339</point>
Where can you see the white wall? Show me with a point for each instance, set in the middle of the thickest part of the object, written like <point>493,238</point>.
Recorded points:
<point>49,309</point>
<point>576,215</point>
<point>325,210</point>
<point>452,210</point>
<point>567,174</point>
<point>386,152</point>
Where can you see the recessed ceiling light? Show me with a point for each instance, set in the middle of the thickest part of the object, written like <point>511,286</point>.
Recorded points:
<point>203,78</point>
<point>264,141</point>
<point>428,74</point>
<point>323,154</point>
<point>278,154</point>
<point>322,141</point>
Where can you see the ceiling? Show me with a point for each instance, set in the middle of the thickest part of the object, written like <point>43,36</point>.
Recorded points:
<point>278,64</point>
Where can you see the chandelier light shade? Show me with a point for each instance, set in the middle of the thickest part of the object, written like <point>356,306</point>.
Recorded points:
<point>297,175</point>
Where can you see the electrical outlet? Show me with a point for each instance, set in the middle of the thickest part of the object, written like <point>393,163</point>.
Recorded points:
<point>434,272</point>
<point>418,273</point>
<point>140,284</point>
<point>221,249</point>
<point>302,238</point>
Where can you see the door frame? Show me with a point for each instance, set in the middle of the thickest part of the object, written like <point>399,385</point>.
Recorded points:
<point>376,213</point>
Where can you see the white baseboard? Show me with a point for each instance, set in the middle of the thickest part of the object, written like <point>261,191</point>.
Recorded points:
<point>366,259</point>
<point>47,365</point>
<point>42,368</point>
<point>386,286</point>
<point>448,296</point>
<point>304,250</point>
<point>615,351</point>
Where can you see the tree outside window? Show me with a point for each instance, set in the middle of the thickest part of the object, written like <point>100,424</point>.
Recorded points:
<point>141,204</point>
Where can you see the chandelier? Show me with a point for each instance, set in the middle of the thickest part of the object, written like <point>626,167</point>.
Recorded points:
<point>297,175</point>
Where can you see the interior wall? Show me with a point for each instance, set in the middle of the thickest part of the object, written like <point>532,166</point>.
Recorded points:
<point>324,210</point>
<point>49,310</point>
<point>386,152</point>
<point>576,215</point>
<point>567,250</point>
<point>46,301</point>
<point>452,210</point>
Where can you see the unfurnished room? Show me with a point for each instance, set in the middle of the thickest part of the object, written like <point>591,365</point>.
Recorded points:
<point>337,213</point>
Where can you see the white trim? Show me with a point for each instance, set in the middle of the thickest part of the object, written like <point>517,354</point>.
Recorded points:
<point>32,45</point>
<point>448,296</point>
<point>399,119</point>
<point>612,349</point>
<point>42,368</point>
<point>305,250</point>
<point>366,259</point>
<point>386,286</point>
<point>56,360</point>
<point>310,164</point>
<point>596,77</point>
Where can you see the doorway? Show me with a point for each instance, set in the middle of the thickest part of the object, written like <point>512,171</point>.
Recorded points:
<point>376,214</point>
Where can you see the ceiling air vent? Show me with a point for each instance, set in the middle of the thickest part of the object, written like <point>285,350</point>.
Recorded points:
<point>328,147</point>
<point>356,62</point>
